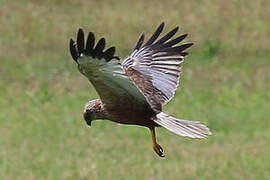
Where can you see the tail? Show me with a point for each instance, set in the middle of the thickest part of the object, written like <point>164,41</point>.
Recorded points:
<point>191,129</point>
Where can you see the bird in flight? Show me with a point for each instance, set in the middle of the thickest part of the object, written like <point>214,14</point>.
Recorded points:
<point>134,91</point>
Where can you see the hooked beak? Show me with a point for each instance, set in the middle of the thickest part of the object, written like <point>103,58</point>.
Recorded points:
<point>88,118</point>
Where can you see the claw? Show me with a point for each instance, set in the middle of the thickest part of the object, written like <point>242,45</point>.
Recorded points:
<point>159,150</point>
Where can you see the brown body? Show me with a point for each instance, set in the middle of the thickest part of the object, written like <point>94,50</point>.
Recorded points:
<point>124,114</point>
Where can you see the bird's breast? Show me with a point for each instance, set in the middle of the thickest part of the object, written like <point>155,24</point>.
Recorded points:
<point>132,116</point>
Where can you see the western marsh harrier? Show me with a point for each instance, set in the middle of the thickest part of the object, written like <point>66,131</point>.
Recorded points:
<point>134,91</point>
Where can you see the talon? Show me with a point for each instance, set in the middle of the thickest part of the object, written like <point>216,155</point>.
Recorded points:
<point>159,150</point>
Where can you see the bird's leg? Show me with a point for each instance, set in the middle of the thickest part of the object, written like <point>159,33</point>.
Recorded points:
<point>157,148</point>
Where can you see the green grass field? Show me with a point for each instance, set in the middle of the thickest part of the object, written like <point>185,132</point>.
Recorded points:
<point>225,84</point>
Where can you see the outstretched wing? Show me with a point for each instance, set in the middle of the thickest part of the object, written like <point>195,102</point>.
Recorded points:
<point>155,67</point>
<point>105,72</point>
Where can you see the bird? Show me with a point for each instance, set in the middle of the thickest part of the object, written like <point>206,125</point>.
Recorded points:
<point>133,91</point>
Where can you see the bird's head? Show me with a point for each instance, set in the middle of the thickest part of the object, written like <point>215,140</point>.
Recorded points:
<point>93,110</point>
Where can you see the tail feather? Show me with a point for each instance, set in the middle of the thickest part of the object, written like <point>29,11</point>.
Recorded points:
<point>192,129</point>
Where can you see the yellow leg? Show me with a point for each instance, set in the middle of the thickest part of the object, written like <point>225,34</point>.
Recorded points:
<point>157,148</point>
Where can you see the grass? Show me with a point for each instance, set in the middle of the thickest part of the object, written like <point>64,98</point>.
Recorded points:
<point>225,84</point>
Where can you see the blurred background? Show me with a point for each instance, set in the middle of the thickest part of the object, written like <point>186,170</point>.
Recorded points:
<point>225,84</point>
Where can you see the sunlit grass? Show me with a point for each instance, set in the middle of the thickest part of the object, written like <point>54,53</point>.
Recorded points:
<point>225,84</point>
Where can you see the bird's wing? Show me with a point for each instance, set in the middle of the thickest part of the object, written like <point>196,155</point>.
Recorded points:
<point>105,72</point>
<point>155,67</point>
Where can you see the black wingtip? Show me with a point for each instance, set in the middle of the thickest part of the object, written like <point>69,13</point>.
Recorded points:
<point>99,48</point>
<point>155,35</point>
<point>168,36</point>
<point>109,53</point>
<point>184,54</point>
<point>165,43</point>
<point>184,36</point>
<point>116,57</point>
<point>181,47</point>
<point>90,42</point>
<point>76,49</point>
<point>190,44</point>
<point>80,41</point>
<point>174,41</point>
<point>140,41</point>
<point>73,50</point>
<point>162,24</point>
